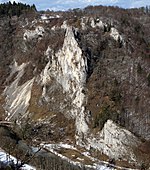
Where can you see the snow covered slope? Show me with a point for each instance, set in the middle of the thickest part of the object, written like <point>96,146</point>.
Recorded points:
<point>6,159</point>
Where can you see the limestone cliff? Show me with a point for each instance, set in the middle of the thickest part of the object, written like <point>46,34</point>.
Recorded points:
<point>79,77</point>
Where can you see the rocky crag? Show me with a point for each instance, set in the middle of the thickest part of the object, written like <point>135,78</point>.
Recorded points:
<point>80,77</point>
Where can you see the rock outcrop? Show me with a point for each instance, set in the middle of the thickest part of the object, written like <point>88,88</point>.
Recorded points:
<point>85,71</point>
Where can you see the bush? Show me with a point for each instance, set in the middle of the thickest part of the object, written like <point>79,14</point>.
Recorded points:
<point>106,113</point>
<point>148,79</point>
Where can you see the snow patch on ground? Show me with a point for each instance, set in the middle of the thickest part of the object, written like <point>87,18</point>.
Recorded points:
<point>97,164</point>
<point>52,147</point>
<point>6,159</point>
<point>44,17</point>
<point>54,16</point>
<point>58,146</point>
<point>102,167</point>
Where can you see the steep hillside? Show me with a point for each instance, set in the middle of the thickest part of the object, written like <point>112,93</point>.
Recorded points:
<point>80,78</point>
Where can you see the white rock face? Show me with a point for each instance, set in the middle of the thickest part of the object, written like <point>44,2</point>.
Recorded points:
<point>113,31</point>
<point>73,68</point>
<point>31,34</point>
<point>83,25</point>
<point>44,17</point>
<point>84,22</point>
<point>45,78</point>
<point>115,34</point>
<point>98,23</point>
<point>115,141</point>
<point>17,97</point>
<point>68,67</point>
<point>64,25</point>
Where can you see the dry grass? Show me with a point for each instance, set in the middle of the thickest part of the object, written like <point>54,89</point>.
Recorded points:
<point>74,155</point>
<point>125,164</point>
<point>38,112</point>
<point>63,128</point>
<point>143,153</point>
<point>98,155</point>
